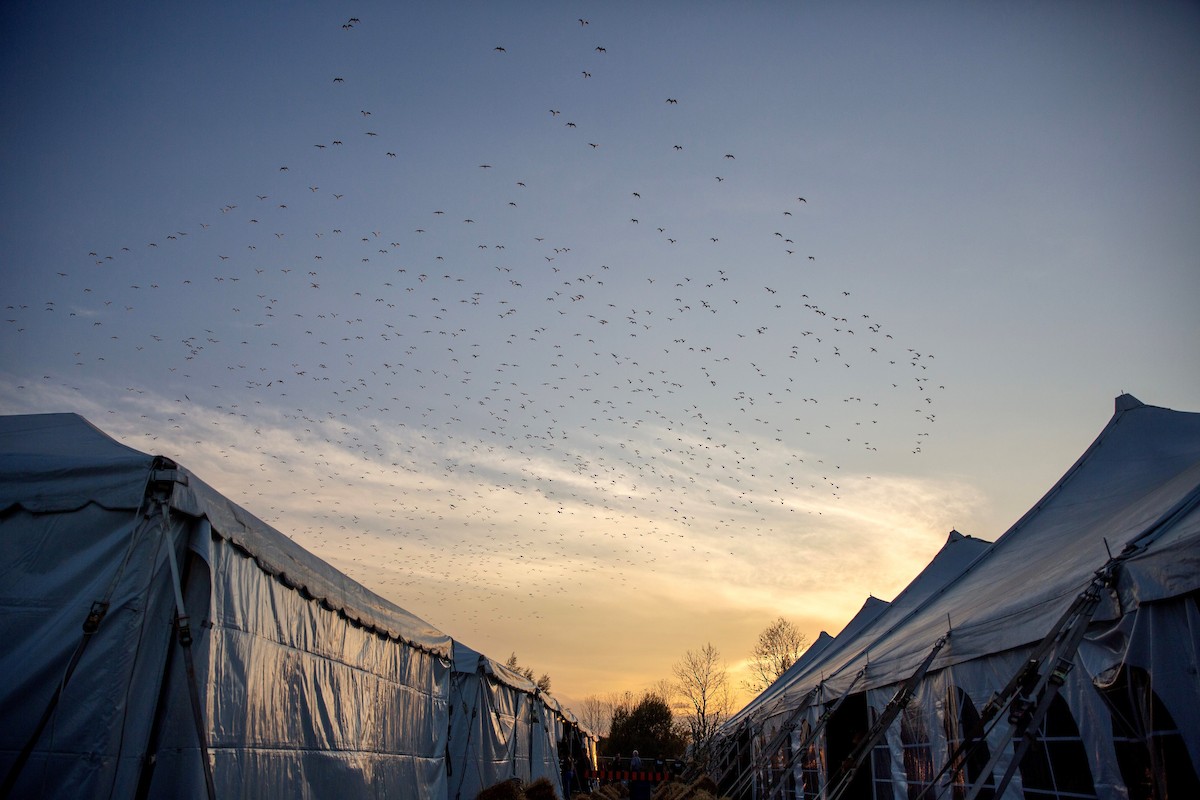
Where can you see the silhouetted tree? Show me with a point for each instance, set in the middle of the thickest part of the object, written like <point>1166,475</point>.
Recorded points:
<point>703,683</point>
<point>596,714</point>
<point>777,648</point>
<point>543,682</point>
<point>647,727</point>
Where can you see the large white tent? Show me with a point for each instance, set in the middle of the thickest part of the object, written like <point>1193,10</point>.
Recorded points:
<point>1060,662</point>
<point>503,726</point>
<point>161,641</point>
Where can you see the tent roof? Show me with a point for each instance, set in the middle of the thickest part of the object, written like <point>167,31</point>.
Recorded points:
<point>872,620</point>
<point>61,462</point>
<point>470,661</point>
<point>1135,489</point>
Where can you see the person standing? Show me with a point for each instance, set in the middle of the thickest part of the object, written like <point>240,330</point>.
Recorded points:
<point>639,788</point>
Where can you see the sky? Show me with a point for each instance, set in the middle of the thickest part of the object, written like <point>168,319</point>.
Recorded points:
<point>600,332</point>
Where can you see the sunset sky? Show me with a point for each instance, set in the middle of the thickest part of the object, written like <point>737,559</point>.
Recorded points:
<point>597,332</point>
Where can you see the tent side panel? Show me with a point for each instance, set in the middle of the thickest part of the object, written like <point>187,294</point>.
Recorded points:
<point>53,566</point>
<point>545,733</point>
<point>300,702</point>
<point>496,752</point>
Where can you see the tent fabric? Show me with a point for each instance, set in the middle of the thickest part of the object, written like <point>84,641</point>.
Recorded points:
<point>44,600</point>
<point>1127,703</point>
<point>1144,462</point>
<point>502,726</point>
<point>309,684</point>
<point>875,616</point>
<point>61,462</point>
<point>294,566</point>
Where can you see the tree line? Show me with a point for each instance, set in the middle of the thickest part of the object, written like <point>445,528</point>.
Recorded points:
<point>681,715</point>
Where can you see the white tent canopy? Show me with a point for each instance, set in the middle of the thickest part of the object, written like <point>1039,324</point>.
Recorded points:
<point>1046,596</point>
<point>288,679</point>
<point>876,616</point>
<point>501,726</point>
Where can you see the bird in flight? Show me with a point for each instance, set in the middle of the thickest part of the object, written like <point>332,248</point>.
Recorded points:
<point>500,49</point>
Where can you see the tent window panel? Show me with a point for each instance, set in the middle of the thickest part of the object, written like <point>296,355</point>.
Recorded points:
<point>779,769</point>
<point>918,755</point>
<point>1151,753</point>
<point>880,764</point>
<point>961,719</point>
<point>1056,764</point>
<point>881,769</point>
<point>810,780</point>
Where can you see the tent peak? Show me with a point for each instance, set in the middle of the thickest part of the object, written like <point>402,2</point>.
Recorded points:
<point>1127,402</point>
<point>958,536</point>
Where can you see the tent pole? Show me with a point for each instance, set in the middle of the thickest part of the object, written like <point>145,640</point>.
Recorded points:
<point>812,735</point>
<point>1025,714</point>
<point>183,632</point>
<point>885,720</point>
<point>1025,718</point>
<point>999,701</point>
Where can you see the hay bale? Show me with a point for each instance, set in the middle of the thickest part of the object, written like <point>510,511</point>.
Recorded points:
<point>702,789</point>
<point>505,790</point>
<point>671,790</point>
<point>541,789</point>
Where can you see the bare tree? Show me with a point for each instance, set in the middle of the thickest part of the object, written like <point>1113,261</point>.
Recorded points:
<point>666,689</point>
<point>595,714</point>
<point>702,683</point>
<point>621,700</point>
<point>778,647</point>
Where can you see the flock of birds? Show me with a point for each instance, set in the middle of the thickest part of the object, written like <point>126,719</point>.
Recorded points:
<point>486,388</point>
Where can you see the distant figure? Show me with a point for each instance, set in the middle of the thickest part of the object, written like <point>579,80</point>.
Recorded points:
<point>639,789</point>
